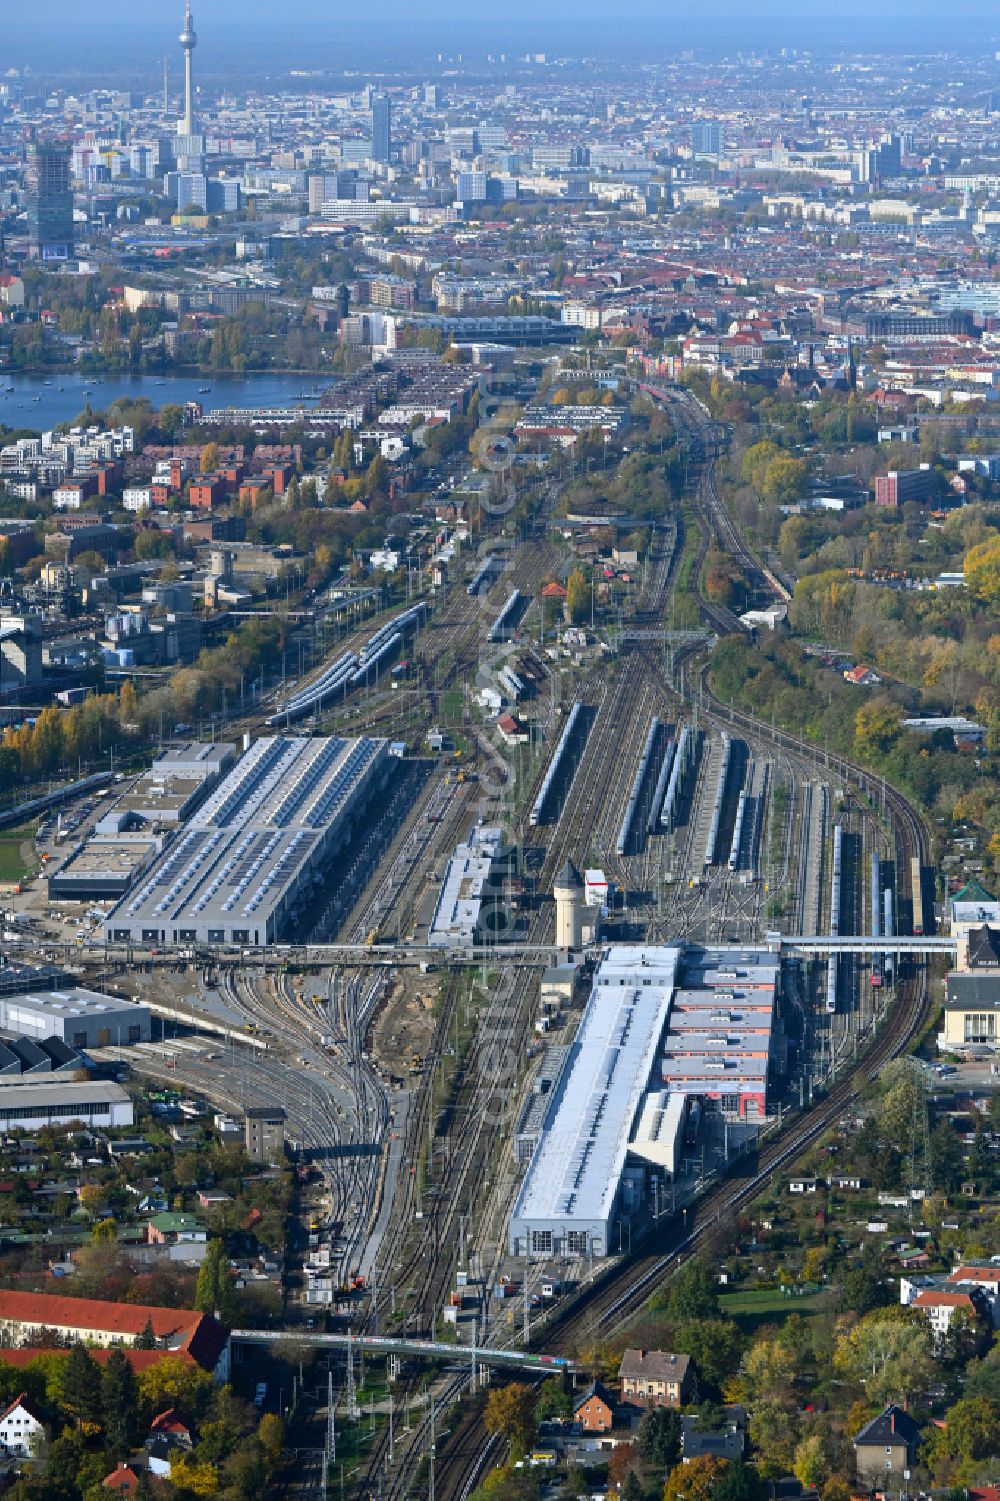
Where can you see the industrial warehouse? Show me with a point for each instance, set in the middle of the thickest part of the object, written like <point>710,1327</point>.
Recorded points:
<point>255,850</point>
<point>124,842</point>
<point>79,1018</point>
<point>470,906</point>
<point>664,1026</point>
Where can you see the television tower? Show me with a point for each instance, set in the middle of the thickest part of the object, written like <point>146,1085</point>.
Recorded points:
<point>189,42</point>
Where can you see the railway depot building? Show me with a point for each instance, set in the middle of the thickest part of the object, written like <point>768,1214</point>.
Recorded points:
<point>127,839</point>
<point>77,1017</point>
<point>258,847</point>
<point>664,1026</point>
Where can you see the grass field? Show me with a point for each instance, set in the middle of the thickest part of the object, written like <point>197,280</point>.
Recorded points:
<point>751,1309</point>
<point>12,866</point>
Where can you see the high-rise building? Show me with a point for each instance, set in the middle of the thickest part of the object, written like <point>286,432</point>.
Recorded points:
<point>470,187</point>
<point>192,191</point>
<point>381,129</point>
<point>706,138</point>
<point>50,201</point>
<point>223,195</point>
<point>189,41</point>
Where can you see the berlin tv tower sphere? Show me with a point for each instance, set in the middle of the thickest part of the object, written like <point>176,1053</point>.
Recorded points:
<point>187,37</point>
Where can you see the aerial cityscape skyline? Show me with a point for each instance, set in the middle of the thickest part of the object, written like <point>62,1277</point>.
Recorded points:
<point>393,30</point>
<point>500,753</point>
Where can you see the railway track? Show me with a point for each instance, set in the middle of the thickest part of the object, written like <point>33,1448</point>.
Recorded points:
<point>623,1288</point>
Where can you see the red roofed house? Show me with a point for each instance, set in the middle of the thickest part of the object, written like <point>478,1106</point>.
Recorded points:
<point>861,677</point>
<point>124,1480</point>
<point>594,1410</point>
<point>979,1275</point>
<point>167,1434</point>
<point>170,1425</point>
<point>20,1429</point>
<point>179,1331</point>
<point>512,730</point>
<point>940,1309</point>
<point>11,290</point>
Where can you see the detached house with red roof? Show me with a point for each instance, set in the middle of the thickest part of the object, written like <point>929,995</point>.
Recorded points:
<point>941,1309</point>
<point>11,290</point>
<point>193,1336</point>
<point>20,1429</point>
<point>123,1479</point>
<point>984,1275</point>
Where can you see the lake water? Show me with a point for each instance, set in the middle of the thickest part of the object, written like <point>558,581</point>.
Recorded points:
<point>41,402</point>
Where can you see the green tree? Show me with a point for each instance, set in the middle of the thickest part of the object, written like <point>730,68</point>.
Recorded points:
<point>889,1352</point>
<point>659,1440</point>
<point>739,1482</point>
<point>693,1292</point>
<point>876,728</point>
<point>147,1338</point>
<point>861,1291</point>
<point>214,1292</point>
<point>119,1403</point>
<point>510,1412</point>
<point>982,1377</point>
<point>810,1461</point>
<point>773,1433</point>
<point>947,1159</point>
<point>554,1400</point>
<point>971,1431</point>
<point>715,1346</point>
<point>577,597</point>
<point>79,1386</point>
<point>633,1489</point>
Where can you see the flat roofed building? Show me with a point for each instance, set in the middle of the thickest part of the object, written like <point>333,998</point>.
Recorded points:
<point>659,1136</point>
<point>264,1132</point>
<point>470,901</point>
<point>201,759</point>
<point>258,847</point>
<point>92,1103</point>
<point>663,1024</point>
<point>569,1200</point>
<point>720,1042</point>
<point>79,1018</point>
<point>102,868</point>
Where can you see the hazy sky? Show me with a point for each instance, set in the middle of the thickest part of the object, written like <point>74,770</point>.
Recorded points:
<point>323,31</point>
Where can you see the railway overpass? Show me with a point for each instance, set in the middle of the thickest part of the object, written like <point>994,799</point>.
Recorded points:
<point>531,955</point>
<point>865,943</point>
<point>420,1349</point>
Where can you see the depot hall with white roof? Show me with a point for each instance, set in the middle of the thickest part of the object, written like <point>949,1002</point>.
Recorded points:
<point>664,1025</point>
